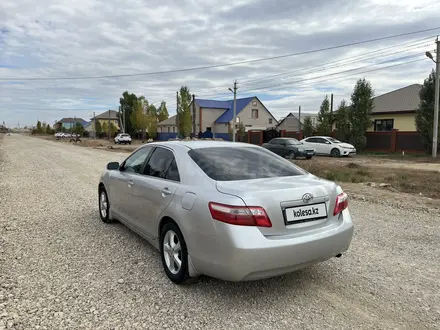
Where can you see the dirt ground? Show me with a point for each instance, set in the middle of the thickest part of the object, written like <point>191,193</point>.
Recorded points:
<point>62,268</point>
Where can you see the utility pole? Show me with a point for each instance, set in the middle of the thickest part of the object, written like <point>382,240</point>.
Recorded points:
<point>331,112</point>
<point>108,134</point>
<point>234,116</point>
<point>436,100</point>
<point>94,125</point>
<point>194,115</point>
<point>299,119</point>
<point>177,113</point>
<point>123,124</point>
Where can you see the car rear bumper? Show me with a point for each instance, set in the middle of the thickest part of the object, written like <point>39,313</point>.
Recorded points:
<point>242,253</point>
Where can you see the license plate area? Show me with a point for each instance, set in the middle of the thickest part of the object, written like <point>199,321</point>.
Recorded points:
<point>305,213</point>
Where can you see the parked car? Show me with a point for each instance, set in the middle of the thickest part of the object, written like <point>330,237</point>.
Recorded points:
<point>289,147</point>
<point>59,135</point>
<point>325,145</point>
<point>123,138</point>
<point>233,211</point>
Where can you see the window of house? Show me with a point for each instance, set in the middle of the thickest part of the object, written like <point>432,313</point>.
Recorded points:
<point>208,129</point>
<point>254,113</point>
<point>270,120</point>
<point>174,129</point>
<point>383,125</point>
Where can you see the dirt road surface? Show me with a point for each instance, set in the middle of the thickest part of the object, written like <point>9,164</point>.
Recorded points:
<point>62,268</point>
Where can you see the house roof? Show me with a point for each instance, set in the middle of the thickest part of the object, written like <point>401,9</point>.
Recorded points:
<point>214,104</point>
<point>71,119</point>
<point>168,122</point>
<point>401,100</point>
<point>105,115</point>
<point>228,115</point>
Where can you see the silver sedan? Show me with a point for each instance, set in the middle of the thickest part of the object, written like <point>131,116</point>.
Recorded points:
<point>233,211</point>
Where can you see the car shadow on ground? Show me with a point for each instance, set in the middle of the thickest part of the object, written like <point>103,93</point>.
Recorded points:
<point>282,285</point>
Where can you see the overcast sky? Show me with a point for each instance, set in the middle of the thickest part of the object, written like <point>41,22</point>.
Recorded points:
<point>80,38</point>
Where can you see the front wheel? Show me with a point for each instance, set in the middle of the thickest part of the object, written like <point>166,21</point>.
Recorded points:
<point>309,157</point>
<point>292,154</point>
<point>104,206</point>
<point>335,152</point>
<point>174,253</point>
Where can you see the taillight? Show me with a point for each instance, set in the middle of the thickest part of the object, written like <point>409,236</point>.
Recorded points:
<point>240,215</point>
<point>341,203</point>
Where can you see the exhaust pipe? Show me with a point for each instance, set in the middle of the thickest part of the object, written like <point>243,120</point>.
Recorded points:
<point>338,255</point>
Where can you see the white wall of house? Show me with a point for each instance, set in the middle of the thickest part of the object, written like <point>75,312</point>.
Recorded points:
<point>290,124</point>
<point>220,128</point>
<point>255,116</point>
<point>209,116</point>
<point>167,129</point>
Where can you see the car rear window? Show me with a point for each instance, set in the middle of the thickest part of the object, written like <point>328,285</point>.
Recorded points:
<point>230,163</point>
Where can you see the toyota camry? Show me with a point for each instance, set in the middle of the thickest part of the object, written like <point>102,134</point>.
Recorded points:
<point>233,211</point>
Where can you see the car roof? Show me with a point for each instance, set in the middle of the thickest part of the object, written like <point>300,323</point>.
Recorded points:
<point>199,144</point>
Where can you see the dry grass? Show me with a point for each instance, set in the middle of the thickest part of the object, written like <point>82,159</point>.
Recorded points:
<point>403,180</point>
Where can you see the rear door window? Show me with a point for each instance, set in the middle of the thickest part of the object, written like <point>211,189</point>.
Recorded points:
<point>244,163</point>
<point>162,164</point>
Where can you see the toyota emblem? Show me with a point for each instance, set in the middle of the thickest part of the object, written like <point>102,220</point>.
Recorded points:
<point>307,198</point>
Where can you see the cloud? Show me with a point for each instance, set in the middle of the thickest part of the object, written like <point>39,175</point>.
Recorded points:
<point>92,38</point>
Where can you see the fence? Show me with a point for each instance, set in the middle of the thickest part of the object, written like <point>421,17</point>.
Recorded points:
<point>395,141</point>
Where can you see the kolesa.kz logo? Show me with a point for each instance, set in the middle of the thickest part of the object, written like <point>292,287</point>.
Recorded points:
<point>303,213</point>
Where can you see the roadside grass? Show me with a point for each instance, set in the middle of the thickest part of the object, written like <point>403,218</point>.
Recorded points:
<point>402,180</point>
<point>410,157</point>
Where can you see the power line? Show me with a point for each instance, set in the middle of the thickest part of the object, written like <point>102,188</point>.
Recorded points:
<point>226,64</point>
<point>336,73</point>
<point>342,62</point>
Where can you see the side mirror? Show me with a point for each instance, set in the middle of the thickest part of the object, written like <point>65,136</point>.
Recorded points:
<point>113,166</point>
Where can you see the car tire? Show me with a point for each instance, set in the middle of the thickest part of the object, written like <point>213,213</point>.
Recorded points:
<point>129,142</point>
<point>173,251</point>
<point>335,152</point>
<point>104,206</point>
<point>309,157</point>
<point>292,154</point>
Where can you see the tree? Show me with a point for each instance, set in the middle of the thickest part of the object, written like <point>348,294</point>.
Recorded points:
<point>307,127</point>
<point>184,112</point>
<point>359,114</point>
<point>48,129</point>
<point>152,120</point>
<point>138,117</point>
<point>162,112</point>
<point>425,112</point>
<point>98,128</point>
<point>325,118</point>
<point>127,102</point>
<point>104,129</point>
<point>39,128</point>
<point>113,129</point>
<point>342,122</point>
<point>78,129</point>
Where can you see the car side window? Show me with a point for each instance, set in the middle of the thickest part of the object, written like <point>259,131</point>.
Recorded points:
<point>161,165</point>
<point>324,141</point>
<point>134,163</point>
<point>173,172</point>
<point>311,140</point>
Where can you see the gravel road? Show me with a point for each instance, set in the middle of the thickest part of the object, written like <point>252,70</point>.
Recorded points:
<point>62,268</point>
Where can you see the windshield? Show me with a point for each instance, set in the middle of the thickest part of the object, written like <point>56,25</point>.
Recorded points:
<point>230,164</point>
<point>293,141</point>
<point>332,140</point>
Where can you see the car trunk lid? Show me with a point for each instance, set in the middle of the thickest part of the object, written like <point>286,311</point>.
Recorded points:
<point>287,201</point>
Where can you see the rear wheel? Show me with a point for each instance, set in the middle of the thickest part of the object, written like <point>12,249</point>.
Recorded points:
<point>335,152</point>
<point>174,253</point>
<point>292,154</point>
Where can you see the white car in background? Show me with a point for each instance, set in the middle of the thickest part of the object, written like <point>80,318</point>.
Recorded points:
<point>326,145</point>
<point>123,138</point>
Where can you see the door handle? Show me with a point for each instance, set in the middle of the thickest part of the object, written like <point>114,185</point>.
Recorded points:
<point>165,192</point>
